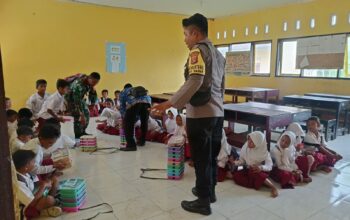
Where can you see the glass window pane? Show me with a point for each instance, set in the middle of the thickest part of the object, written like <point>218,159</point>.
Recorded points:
<point>240,47</point>
<point>223,50</point>
<point>345,73</point>
<point>289,54</point>
<point>262,60</point>
<point>330,73</point>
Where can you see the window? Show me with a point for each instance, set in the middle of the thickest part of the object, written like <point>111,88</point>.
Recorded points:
<point>287,61</point>
<point>223,49</point>
<point>260,51</point>
<point>262,57</point>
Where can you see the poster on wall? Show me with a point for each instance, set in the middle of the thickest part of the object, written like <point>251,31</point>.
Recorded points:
<point>321,52</point>
<point>238,63</point>
<point>115,57</point>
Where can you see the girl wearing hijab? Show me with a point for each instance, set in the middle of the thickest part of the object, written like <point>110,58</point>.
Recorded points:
<point>303,160</point>
<point>287,172</point>
<point>179,136</point>
<point>257,164</point>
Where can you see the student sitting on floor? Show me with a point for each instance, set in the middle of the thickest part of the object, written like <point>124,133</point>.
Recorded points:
<point>38,200</point>
<point>301,159</point>
<point>111,124</point>
<point>116,99</point>
<point>8,103</point>
<point>24,134</point>
<point>48,135</point>
<point>62,142</point>
<point>257,164</point>
<point>103,100</point>
<point>155,133</point>
<point>179,137</point>
<point>226,158</point>
<point>316,146</point>
<point>11,116</point>
<point>36,101</point>
<point>54,104</point>
<point>287,172</point>
<point>170,122</point>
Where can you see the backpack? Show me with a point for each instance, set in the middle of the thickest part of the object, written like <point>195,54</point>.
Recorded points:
<point>138,91</point>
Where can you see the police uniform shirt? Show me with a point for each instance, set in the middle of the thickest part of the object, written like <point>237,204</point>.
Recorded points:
<point>203,59</point>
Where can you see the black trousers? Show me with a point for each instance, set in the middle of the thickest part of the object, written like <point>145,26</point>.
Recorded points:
<point>131,115</point>
<point>204,136</point>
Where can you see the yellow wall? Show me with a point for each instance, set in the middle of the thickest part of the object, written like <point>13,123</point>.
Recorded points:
<point>51,39</point>
<point>321,10</point>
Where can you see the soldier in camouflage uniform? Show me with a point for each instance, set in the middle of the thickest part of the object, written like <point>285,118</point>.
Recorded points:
<point>81,86</point>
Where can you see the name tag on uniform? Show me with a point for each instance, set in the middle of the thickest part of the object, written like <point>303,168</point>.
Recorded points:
<point>196,63</point>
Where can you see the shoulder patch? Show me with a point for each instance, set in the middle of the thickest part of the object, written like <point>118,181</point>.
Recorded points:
<point>196,63</point>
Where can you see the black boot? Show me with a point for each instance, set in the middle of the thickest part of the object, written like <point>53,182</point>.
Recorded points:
<point>128,149</point>
<point>212,194</point>
<point>201,206</point>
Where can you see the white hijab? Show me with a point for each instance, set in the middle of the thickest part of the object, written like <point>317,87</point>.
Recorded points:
<point>170,124</point>
<point>288,154</point>
<point>298,132</point>
<point>258,154</point>
<point>181,130</point>
<point>285,157</point>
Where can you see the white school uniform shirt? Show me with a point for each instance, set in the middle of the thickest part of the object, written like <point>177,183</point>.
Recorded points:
<point>112,115</point>
<point>152,124</point>
<point>34,145</point>
<point>25,189</point>
<point>170,125</point>
<point>257,155</point>
<point>62,142</point>
<point>16,144</point>
<point>285,157</point>
<point>312,138</point>
<point>55,102</point>
<point>11,128</point>
<point>225,151</point>
<point>35,103</point>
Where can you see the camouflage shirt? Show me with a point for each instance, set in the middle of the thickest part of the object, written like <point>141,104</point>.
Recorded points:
<point>75,97</point>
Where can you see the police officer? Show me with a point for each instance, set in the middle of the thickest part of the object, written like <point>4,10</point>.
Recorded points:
<point>79,87</point>
<point>202,95</point>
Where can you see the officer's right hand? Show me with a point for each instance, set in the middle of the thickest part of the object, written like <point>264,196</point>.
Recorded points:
<point>83,120</point>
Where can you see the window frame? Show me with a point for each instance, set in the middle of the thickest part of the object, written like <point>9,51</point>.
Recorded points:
<point>252,51</point>
<point>278,69</point>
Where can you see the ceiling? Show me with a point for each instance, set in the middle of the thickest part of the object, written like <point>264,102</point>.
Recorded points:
<point>210,8</point>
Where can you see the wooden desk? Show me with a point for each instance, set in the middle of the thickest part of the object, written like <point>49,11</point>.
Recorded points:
<point>298,114</point>
<point>159,98</point>
<point>313,102</point>
<point>267,119</point>
<point>252,93</point>
<point>326,95</point>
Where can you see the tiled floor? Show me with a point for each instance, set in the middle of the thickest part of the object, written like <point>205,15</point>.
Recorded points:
<point>114,178</point>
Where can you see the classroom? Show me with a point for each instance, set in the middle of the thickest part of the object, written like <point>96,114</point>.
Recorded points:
<point>186,109</point>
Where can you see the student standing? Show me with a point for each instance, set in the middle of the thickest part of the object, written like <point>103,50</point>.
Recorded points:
<point>36,101</point>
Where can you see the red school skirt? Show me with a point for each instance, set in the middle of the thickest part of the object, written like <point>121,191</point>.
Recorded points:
<point>248,179</point>
<point>322,160</point>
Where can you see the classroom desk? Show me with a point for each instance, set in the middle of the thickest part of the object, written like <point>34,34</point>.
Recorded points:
<point>159,98</point>
<point>251,93</point>
<point>326,95</point>
<point>267,119</point>
<point>298,114</point>
<point>313,102</point>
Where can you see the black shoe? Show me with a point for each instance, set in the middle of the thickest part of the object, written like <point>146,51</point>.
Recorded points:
<point>128,149</point>
<point>212,195</point>
<point>201,206</point>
